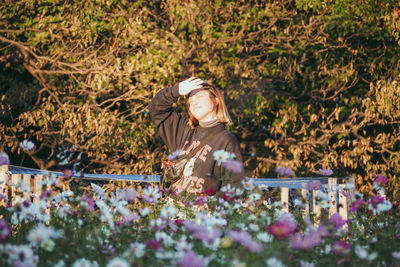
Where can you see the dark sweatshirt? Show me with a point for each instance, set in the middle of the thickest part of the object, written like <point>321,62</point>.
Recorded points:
<point>174,129</point>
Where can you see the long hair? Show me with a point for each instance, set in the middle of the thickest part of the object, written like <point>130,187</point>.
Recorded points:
<point>219,106</point>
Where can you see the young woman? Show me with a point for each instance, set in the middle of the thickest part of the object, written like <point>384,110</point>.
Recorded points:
<point>207,114</point>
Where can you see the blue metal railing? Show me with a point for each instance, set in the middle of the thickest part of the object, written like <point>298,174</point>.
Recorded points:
<point>292,183</point>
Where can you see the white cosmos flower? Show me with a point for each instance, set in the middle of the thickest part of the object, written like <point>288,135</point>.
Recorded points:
<point>85,263</point>
<point>48,245</point>
<point>168,212</point>
<point>98,190</point>
<point>165,239</point>
<point>362,253</point>
<point>118,262</point>
<point>188,170</point>
<point>42,233</point>
<point>138,249</point>
<point>254,227</point>
<point>27,145</point>
<point>248,184</point>
<point>21,255</point>
<point>385,206</point>
<point>274,262</point>
<point>221,156</point>
<point>122,209</point>
<point>265,237</point>
<point>145,211</point>
<point>151,195</point>
<point>64,210</point>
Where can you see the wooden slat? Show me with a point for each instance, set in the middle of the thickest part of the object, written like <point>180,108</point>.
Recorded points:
<point>285,198</point>
<point>316,209</point>
<point>332,193</point>
<point>37,186</point>
<point>26,179</point>
<point>3,184</point>
<point>306,197</point>
<point>343,206</point>
<point>15,192</point>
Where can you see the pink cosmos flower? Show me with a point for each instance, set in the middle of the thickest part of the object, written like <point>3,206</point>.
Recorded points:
<point>201,232</point>
<point>305,241</point>
<point>396,255</point>
<point>284,171</point>
<point>313,186</point>
<point>175,154</point>
<point>340,247</point>
<point>357,205</point>
<point>325,172</point>
<point>4,160</point>
<point>377,199</point>
<point>283,227</point>
<point>5,231</point>
<point>191,259</point>
<point>381,180</point>
<point>345,194</point>
<point>233,165</point>
<point>128,194</point>
<point>152,244</point>
<point>90,202</point>
<point>210,191</point>
<point>244,238</point>
<point>337,221</point>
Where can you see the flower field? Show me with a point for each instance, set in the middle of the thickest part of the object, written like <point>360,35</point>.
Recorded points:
<point>145,226</point>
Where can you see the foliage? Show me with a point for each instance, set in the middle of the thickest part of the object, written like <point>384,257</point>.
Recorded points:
<point>309,82</point>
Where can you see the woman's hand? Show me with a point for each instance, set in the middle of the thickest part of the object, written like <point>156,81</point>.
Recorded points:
<point>186,86</point>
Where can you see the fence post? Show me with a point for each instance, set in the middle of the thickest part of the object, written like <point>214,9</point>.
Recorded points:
<point>37,187</point>
<point>285,198</point>
<point>332,193</point>
<point>3,184</point>
<point>316,208</point>
<point>26,179</point>
<point>305,194</point>
<point>15,188</point>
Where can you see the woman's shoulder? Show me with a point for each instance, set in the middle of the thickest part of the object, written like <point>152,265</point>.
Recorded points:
<point>228,136</point>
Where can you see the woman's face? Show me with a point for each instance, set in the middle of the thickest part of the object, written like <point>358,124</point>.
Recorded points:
<point>201,106</point>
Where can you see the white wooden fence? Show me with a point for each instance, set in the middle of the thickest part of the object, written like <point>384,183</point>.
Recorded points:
<point>339,203</point>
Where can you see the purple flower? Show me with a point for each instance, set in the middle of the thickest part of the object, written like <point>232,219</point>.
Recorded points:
<point>5,231</point>
<point>4,160</point>
<point>233,165</point>
<point>284,171</point>
<point>337,221</point>
<point>244,238</point>
<point>90,202</point>
<point>175,154</point>
<point>325,172</point>
<point>305,241</point>
<point>396,255</point>
<point>201,232</point>
<point>128,194</point>
<point>340,247</point>
<point>381,180</point>
<point>283,227</point>
<point>152,244</point>
<point>316,185</point>
<point>346,194</point>
<point>377,199</point>
<point>191,259</point>
<point>356,205</point>
<point>27,145</point>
